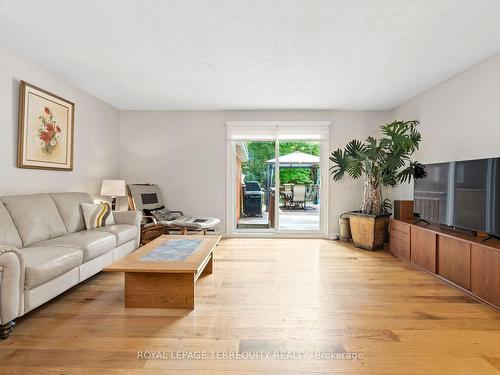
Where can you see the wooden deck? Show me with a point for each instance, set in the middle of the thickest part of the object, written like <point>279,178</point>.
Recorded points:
<point>290,219</point>
<point>273,296</point>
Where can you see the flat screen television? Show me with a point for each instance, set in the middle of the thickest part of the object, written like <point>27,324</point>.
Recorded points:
<point>461,194</point>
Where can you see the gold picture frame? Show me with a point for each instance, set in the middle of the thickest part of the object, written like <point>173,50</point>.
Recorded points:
<point>46,130</point>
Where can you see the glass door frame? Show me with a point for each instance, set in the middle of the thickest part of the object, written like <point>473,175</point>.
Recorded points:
<point>322,230</point>
<point>232,228</point>
<point>317,131</point>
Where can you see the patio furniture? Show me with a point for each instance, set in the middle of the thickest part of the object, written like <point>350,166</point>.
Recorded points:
<point>147,198</point>
<point>301,160</point>
<point>287,194</point>
<point>299,195</point>
<point>252,201</point>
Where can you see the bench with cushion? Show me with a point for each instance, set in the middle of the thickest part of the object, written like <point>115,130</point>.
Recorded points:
<point>45,249</point>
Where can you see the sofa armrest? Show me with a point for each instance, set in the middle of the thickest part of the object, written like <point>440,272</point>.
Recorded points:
<point>131,218</point>
<point>128,217</point>
<point>11,284</point>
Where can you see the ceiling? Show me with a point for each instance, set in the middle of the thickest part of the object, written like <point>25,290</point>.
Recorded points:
<point>252,54</point>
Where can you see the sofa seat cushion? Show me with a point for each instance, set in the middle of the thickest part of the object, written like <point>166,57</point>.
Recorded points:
<point>123,232</point>
<point>45,263</point>
<point>92,243</point>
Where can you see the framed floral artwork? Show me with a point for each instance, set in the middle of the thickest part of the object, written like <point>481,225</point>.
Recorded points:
<point>46,124</point>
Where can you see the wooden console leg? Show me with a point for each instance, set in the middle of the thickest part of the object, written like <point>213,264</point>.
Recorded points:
<point>6,329</point>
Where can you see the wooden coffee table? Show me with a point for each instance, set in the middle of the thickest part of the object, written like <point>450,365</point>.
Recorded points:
<point>162,273</point>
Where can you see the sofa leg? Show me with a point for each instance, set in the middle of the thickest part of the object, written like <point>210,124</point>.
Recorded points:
<point>6,329</point>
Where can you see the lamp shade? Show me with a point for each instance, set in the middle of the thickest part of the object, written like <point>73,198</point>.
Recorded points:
<point>113,188</point>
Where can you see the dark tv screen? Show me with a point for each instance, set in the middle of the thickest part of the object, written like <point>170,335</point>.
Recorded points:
<point>462,194</point>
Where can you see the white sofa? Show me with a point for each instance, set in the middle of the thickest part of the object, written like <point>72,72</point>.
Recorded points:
<point>45,249</point>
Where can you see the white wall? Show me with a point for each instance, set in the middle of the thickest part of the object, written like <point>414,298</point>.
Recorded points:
<point>96,134</point>
<point>459,118</point>
<point>185,153</point>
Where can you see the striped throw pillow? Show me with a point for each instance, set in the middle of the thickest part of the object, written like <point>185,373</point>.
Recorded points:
<point>97,215</point>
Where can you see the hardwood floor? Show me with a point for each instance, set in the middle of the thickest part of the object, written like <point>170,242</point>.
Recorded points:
<point>268,295</point>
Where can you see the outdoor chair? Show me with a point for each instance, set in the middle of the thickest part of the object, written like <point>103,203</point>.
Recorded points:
<point>299,195</point>
<point>147,198</point>
<point>287,194</point>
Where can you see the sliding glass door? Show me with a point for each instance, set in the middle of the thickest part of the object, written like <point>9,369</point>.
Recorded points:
<point>275,181</point>
<point>299,165</point>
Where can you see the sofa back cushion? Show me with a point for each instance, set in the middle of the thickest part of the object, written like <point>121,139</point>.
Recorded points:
<point>70,209</point>
<point>36,217</point>
<point>8,232</point>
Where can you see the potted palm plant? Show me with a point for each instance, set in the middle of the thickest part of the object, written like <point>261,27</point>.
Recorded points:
<point>380,162</point>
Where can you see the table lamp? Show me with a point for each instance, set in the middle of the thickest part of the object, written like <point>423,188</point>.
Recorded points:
<point>113,189</point>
